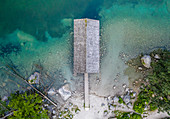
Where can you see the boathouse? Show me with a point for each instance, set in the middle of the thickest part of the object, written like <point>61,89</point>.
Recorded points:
<point>86,50</point>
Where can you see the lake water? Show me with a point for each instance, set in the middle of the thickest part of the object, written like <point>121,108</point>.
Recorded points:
<point>37,35</point>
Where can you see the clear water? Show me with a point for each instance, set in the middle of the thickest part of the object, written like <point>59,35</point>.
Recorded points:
<point>38,33</point>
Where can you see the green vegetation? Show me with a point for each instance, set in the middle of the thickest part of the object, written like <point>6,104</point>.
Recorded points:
<point>126,115</point>
<point>3,108</point>
<point>120,100</point>
<point>155,93</point>
<point>27,106</point>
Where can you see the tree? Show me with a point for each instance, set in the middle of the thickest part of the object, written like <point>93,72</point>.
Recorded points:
<point>27,106</point>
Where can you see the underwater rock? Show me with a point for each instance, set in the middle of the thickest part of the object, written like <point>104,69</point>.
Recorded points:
<point>24,37</point>
<point>65,92</point>
<point>35,78</point>
<point>51,92</point>
<point>146,61</point>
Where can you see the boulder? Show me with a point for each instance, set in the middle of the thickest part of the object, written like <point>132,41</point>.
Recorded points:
<point>65,92</point>
<point>130,105</point>
<point>126,99</point>
<point>115,99</point>
<point>35,78</point>
<point>51,92</point>
<point>146,61</point>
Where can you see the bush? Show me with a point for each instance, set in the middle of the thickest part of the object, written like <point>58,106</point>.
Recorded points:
<point>27,106</point>
<point>135,116</point>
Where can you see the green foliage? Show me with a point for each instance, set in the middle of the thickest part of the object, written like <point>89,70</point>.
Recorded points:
<point>135,116</point>
<point>156,93</point>
<point>127,115</point>
<point>159,82</point>
<point>153,106</point>
<point>3,108</point>
<point>120,100</point>
<point>27,106</point>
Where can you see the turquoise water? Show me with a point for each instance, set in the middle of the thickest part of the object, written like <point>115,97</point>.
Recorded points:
<point>37,35</point>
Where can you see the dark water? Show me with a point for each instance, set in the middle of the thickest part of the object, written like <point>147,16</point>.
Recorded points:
<point>36,34</point>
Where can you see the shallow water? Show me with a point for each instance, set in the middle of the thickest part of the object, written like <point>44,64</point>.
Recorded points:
<point>38,36</point>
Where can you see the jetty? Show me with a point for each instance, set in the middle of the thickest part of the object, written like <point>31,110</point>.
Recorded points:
<point>86,51</point>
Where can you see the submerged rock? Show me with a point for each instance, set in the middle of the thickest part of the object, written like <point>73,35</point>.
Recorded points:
<point>146,61</point>
<point>65,92</point>
<point>35,78</point>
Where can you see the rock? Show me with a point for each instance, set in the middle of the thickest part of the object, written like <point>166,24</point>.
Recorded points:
<point>51,92</point>
<point>146,61</point>
<point>156,56</point>
<point>140,68</point>
<point>126,99</point>
<point>35,78</point>
<point>115,99</point>
<point>105,113</point>
<point>130,105</point>
<point>112,107</point>
<point>65,92</point>
<point>130,90</point>
<point>126,89</point>
<point>102,104</point>
<point>114,87</point>
<point>5,98</point>
<point>3,84</point>
<point>54,117</point>
<point>124,85</point>
<point>146,108</point>
<point>46,105</point>
<point>134,94</point>
<point>54,112</point>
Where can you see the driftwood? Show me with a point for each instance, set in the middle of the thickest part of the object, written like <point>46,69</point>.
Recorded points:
<point>15,73</point>
<point>7,115</point>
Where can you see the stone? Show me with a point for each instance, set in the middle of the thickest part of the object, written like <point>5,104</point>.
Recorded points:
<point>126,89</point>
<point>115,99</point>
<point>130,90</point>
<point>51,92</point>
<point>134,94</point>
<point>157,56</point>
<point>146,61</point>
<point>124,85</point>
<point>114,87</point>
<point>140,68</point>
<point>3,84</point>
<point>130,105</point>
<point>54,117</point>
<point>54,112</point>
<point>146,108</point>
<point>105,113</point>
<point>35,78</point>
<point>5,98</point>
<point>65,92</point>
<point>112,107</point>
<point>126,99</point>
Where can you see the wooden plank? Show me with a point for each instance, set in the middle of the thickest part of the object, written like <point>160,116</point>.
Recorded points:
<point>86,91</point>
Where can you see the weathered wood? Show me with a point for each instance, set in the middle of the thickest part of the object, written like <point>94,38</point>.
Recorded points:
<point>86,91</point>
<point>86,46</point>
